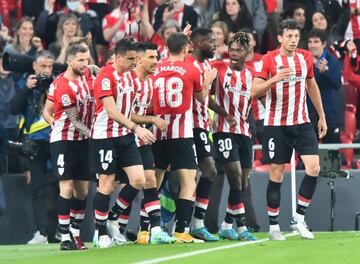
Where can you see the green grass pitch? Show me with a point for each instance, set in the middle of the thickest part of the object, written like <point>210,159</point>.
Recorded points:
<point>327,248</point>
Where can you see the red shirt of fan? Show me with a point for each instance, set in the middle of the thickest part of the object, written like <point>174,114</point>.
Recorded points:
<point>200,110</point>
<point>162,49</point>
<point>286,100</point>
<point>121,87</point>
<point>143,98</point>
<point>232,93</point>
<point>174,84</point>
<point>65,94</point>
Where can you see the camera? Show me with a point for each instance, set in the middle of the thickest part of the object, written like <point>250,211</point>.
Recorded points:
<point>43,82</point>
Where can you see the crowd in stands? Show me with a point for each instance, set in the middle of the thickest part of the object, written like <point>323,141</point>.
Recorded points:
<point>330,31</point>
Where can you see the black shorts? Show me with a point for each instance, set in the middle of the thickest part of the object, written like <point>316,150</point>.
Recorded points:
<point>230,147</point>
<point>279,141</point>
<point>70,159</point>
<point>204,147</point>
<point>179,153</point>
<point>108,156</point>
<point>120,177</point>
<point>147,157</point>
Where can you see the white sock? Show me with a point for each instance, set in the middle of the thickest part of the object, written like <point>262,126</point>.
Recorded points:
<point>241,229</point>
<point>299,217</point>
<point>65,237</point>
<point>75,232</point>
<point>155,230</point>
<point>274,228</point>
<point>198,223</point>
<point>226,226</point>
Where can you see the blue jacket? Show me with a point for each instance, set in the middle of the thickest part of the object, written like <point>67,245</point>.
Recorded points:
<point>29,103</point>
<point>332,93</point>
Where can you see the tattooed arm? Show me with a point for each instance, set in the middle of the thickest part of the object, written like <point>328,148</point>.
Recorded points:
<point>73,116</point>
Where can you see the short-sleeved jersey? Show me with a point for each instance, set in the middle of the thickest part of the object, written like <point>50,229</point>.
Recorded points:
<point>232,93</point>
<point>200,110</point>
<point>65,94</point>
<point>174,84</point>
<point>121,87</point>
<point>257,106</point>
<point>286,100</point>
<point>143,98</point>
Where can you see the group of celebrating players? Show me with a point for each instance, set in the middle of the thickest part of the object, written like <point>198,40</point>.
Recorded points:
<point>139,118</point>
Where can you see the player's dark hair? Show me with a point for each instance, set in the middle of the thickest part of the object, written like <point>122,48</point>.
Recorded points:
<point>318,33</point>
<point>177,42</point>
<point>72,50</point>
<point>288,24</point>
<point>199,33</point>
<point>241,38</point>
<point>124,45</point>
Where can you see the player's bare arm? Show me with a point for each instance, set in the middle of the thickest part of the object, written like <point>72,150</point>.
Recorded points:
<point>72,114</point>
<point>261,86</point>
<point>209,77</point>
<point>110,107</point>
<point>153,120</point>
<point>221,111</point>
<point>48,111</point>
<point>314,94</point>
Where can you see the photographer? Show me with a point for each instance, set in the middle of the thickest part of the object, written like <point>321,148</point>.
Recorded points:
<point>29,101</point>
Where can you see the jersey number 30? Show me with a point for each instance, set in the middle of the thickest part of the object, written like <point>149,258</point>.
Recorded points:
<point>170,91</point>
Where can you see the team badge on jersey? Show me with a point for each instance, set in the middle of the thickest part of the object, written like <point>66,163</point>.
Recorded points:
<point>65,99</point>
<point>226,154</point>
<point>105,165</point>
<point>61,171</point>
<point>271,154</point>
<point>207,148</point>
<point>105,84</point>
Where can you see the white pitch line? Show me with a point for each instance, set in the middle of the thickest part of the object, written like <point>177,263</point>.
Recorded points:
<point>203,251</point>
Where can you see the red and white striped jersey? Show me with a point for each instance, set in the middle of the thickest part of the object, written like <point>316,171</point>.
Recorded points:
<point>98,2</point>
<point>200,110</point>
<point>174,84</point>
<point>256,106</point>
<point>286,100</point>
<point>353,31</point>
<point>129,28</point>
<point>143,98</point>
<point>232,93</point>
<point>121,87</point>
<point>66,94</point>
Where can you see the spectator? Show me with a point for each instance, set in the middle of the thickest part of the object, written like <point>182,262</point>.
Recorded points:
<point>7,91</point>
<point>176,10</point>
<point>24,41</point>
<point>236,16</point>
<point>328,75</point>
<point>205,11</point>
<point>68,27</point>
<point>335,32</point>
<point>46,26</point>
<point>29,101</point>
<point>351,64</point>
<point>221,33</point>
<point>259,18</point>
<point>159,38</point>
<point>123,21</point>
<point>296,11</point>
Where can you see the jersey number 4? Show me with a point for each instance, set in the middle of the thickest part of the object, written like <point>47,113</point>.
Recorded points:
<point>170,91</point>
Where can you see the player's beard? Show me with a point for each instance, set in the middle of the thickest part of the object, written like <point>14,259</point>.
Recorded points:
<point>79,72</point>
<point>208,54</point>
